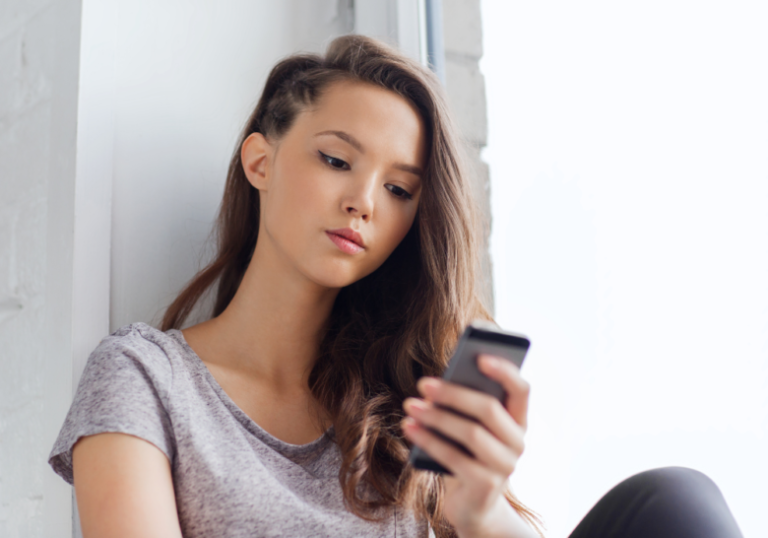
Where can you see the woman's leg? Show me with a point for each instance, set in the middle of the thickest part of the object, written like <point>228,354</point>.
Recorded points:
<point>672,502</point>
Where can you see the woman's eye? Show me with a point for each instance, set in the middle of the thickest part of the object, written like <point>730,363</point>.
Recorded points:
<point>399,192</point>
<point>334,162</point>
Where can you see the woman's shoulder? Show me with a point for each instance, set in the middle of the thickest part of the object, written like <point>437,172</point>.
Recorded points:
<point>138,333</point>
<point>157,354</point>
<point>125,387</point>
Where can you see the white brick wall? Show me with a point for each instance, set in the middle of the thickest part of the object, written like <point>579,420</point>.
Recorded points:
<point>465,84</point>
<point>38,72</point>
<point>25,112</point>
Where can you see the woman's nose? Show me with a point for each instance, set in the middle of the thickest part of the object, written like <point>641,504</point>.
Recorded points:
<point>355,212</point>
<point>359,203</point>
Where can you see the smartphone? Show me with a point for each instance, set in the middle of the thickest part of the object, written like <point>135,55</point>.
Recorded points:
<point>479,338</point>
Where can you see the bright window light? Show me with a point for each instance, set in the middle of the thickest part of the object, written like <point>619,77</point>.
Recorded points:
<point>628,149</point>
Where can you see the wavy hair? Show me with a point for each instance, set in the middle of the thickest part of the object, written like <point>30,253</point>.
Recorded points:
<point>395,325</point>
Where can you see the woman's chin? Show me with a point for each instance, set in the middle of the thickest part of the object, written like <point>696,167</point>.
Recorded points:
<point>335,277</point>
<point>336,281</point>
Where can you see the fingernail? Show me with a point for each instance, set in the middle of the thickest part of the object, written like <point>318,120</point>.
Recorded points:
<point>430,385</point>
<point>409,424</point>
<point>414,406</point>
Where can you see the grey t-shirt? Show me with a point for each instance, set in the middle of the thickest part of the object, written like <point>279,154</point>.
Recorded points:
<point>231,477</point>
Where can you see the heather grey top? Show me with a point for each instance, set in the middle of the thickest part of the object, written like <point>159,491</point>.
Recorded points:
<point>231,477</point>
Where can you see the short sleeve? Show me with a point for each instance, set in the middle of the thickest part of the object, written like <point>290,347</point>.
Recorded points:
<point>125,388</point>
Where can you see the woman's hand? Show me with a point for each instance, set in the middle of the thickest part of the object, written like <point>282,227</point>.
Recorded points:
<point>474,501</point>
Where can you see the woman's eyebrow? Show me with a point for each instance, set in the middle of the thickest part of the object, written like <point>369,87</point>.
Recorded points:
<point>355,143</point>
<point>346,137</point>
<point>409,168</point>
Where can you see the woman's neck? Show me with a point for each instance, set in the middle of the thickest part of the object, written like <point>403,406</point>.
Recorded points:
<point>274,325</point>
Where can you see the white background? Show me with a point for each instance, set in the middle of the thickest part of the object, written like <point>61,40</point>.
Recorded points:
<point>628,148</point>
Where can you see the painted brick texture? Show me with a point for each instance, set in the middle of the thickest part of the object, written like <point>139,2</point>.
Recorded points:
<point>26,52</point>
<point>465,85</point>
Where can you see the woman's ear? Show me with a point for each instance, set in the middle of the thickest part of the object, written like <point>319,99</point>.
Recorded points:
<point>256,156</point>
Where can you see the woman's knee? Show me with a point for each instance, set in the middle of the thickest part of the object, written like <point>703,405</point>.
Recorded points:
<point>674,481</point>
<point>667,502</point>
<point>682,502</point>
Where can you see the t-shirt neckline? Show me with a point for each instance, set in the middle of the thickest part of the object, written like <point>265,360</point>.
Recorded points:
<point>252,426</point>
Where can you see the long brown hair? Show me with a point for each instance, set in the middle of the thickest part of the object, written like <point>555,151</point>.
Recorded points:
<point>397,324</point>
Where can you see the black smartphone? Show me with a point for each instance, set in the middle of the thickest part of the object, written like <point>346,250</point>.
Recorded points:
<point>479,338</point>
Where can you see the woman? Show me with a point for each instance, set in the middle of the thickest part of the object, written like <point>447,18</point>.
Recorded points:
<point>344,275</point>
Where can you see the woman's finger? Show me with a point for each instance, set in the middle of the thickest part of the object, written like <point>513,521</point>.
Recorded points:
<point>517,388</point>
<point>463,467</point>
<point>475,404</point>
<point>486,448</point>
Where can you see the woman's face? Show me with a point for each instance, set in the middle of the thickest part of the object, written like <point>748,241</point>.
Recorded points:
<point>339,191</point>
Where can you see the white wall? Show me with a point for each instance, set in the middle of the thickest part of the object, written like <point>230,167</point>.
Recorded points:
<point>627,146</point>
<point>39,53</point>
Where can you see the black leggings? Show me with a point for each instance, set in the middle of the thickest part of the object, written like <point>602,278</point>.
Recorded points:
<point>672,502</point>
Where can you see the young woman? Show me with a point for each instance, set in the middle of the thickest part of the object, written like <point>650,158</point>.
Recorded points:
<point>344,275</point>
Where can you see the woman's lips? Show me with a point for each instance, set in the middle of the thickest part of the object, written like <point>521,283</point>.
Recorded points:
<point>346,245</point>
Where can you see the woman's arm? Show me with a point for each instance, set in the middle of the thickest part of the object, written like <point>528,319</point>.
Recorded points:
<point>124,488</point>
